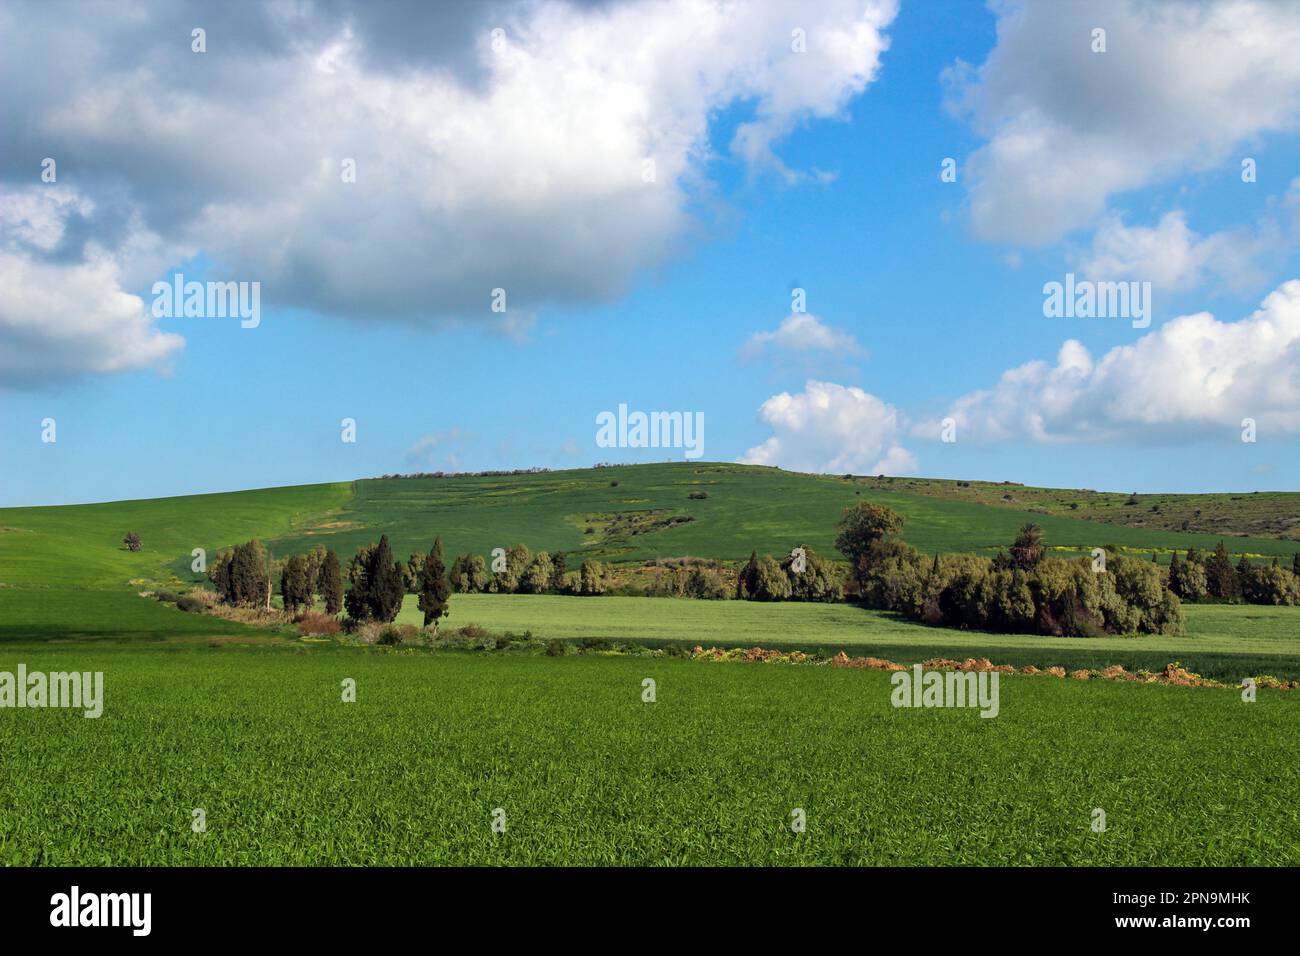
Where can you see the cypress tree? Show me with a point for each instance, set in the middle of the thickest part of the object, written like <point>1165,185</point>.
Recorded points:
<point>330,583</point>
<point>747,579</point>
<point>1222,579</point>
<point>295,585</point>
<point>434,587</point>
<point>387,584</point>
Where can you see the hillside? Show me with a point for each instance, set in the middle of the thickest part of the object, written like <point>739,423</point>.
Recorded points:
<point>620,514</point>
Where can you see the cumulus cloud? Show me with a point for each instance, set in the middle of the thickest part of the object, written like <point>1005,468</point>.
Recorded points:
<point>516,161</point>
<point>1194,377</point>
<point>1172,256</point>
<point>832,428</point>
<point>1180,87</point>
<point>64,310</point>
<point>802,332</point>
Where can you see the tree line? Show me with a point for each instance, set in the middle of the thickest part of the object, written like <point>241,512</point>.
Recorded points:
<point>376,581</point>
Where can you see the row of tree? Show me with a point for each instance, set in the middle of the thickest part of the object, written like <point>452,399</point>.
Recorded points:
<point>376,582</point>
<point>518,571</point>
<point>1022,591</point>
<point>1199,577</point>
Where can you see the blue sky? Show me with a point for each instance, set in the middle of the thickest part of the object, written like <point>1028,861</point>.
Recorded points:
<point>923,293</point>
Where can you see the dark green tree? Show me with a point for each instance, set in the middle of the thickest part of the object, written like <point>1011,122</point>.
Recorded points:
<point>435,589</point>
<point>862,526</point>
<point>295,585</point>
<point>1027,550</point>
<point>377,584</point>
<point>1221,579</point>
<point>747,579</point>
<point>330,583</point>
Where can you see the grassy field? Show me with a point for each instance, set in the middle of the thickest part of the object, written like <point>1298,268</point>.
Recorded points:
<point>1222,641</point>
<point>588,774</point>
<point>248,724</point>
<point>1260,513</point>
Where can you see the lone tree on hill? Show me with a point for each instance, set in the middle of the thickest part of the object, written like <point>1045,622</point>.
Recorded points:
<point>435,590</point>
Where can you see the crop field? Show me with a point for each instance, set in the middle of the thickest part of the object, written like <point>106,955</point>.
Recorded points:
<point>1223,642</point>
<point>587,773</point>
<point>248,725</point>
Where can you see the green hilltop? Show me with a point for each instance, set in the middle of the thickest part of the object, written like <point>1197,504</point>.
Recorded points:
<point>624,513</point>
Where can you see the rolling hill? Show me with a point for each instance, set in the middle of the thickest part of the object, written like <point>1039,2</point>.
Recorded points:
<point>618,513</point>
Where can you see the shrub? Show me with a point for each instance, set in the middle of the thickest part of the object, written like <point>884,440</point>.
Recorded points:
<point>818,581</point>
<point>313,622</point>
<point>132,541</point>
<point>191,604</point>
<point>704,583</point>
<point>556,648</point>
<point>698,495</point>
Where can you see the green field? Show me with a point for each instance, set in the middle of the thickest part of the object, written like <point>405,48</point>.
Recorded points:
<point>589,774</point>
<point>248,724</point>
<point>1222,641</point>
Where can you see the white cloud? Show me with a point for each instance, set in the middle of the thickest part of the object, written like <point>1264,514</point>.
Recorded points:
<point>834,429</point>
<point>438,450</point>
<point>64,311</point>
<point>1181,86</point>
<point>1194,377</point>
<point>802,332</point>
<point>1172,256</point>
<point>520,168</point>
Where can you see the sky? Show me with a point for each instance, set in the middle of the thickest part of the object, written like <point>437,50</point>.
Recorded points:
<point>826,230</point>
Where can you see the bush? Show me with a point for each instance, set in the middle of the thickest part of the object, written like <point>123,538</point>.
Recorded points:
<point>698,495</point>
<point>704,584</point>
<point>556,648</point>
<point>191,604</point>
<point>314,622</point>
<point>818,581</point>
<point>393,634</point>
